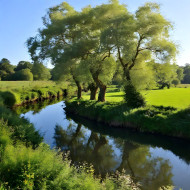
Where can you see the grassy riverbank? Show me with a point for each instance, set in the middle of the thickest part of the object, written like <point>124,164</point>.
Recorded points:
<point>153,119</point>
<point>19,92</point>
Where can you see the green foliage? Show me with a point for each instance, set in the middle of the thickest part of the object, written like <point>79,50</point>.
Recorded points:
<point>180,74</point>
<point>143,76</point>
<point>164,73</point>
<point>136,39</point>
<point>23,75</point>
<point>21,129</point>
<point>40,72</point>
<point>6,69</point>
<point>176,82</point>
<point>6,66</point>
<point>132,97</point>
<point>23,65</point>
<point>9,98</point>
<point>3,74</point>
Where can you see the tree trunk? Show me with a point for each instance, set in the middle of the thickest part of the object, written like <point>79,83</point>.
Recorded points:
<point>79,92</point>
<point>93,91</point>
<point>102,87</point>
<point>102,93</point>
<point>127,74</point>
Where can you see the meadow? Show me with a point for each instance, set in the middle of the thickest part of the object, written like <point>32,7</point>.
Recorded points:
<point>12,85</point>
<point>175,97</point>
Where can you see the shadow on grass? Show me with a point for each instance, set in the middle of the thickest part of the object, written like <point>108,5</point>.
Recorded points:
<point>114,95</point>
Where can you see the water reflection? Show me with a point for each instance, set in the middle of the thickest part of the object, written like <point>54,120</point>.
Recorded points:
<point>100,151</point>
<point>152,160</point>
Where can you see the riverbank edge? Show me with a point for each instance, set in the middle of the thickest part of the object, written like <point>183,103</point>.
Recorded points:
<point>17,98</point>
<point>166,121</point>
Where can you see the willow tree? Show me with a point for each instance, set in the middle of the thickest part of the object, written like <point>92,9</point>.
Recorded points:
<point>70,35</point>
<point>140,38</point>
<point>143,36</point>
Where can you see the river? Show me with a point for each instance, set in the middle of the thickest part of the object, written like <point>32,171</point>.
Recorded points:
<point>152,160</point>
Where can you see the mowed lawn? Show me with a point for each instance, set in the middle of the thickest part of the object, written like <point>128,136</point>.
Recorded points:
<point>175,97</point>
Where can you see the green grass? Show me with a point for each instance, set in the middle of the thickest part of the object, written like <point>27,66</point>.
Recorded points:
<point>183,86</point>
<point>12,85</point>
<point>19,92</point>
<point>175,97</point>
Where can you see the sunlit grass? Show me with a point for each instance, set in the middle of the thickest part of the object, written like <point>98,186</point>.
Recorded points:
<point>11,85</point>
<point>175,97</point>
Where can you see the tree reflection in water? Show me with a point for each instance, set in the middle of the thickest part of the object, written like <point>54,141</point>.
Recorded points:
<point>100,151</point>
<point>93,148</point>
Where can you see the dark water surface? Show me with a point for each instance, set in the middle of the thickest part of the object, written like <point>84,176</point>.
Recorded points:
<point>152,160</point>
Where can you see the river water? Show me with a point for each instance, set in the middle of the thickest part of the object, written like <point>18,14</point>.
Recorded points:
<point>152,160</point>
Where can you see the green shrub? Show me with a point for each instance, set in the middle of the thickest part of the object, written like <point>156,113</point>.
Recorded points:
<point>23,75</point>
<point>9,98</point>
<point>176,82</point>
<point>22,129</point>
<point>133,98</point>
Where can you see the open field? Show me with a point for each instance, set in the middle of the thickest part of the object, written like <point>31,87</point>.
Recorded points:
<point>11,85</point>
<point>175,97</point>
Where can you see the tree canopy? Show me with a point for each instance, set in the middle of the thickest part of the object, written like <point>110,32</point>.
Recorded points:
<point>23,65</point>
<point>95,36</point>
<point>40,72</point>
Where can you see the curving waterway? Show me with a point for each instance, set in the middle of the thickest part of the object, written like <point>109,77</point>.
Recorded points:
<point>152,160</point>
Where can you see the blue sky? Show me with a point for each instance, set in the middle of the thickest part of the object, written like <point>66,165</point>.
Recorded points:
<point>20,19</point>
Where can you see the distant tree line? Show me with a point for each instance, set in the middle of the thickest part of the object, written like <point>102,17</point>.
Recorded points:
<point>24,71</point>
<point>164,74</point>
